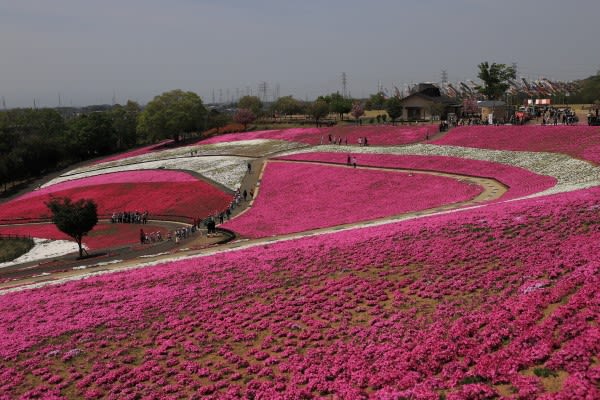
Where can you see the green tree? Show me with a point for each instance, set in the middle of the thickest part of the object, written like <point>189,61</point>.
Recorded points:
<point>393,106</point>
<point>217,120</point>
<point>287,105</point>
<point>124,121</point>
<point>339,104</point>
<point>251,103</point>
<point>376,102</point>
<point>495,79</point>
<point>587,90</point>
<point>91,135</point>
<point>244,116</point>
<point>75,219</point>
<point>171,114</point>
<point>318,109</point>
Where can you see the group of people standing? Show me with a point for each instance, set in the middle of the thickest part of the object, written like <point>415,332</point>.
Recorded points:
<point>129,217</point>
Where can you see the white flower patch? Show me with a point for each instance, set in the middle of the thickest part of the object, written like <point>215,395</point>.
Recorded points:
<point>570,173</point>
<point>42,249</point>
<point>254,147</point>
<point>225,170</point>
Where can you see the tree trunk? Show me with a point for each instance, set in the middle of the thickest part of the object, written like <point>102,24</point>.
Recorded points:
<point>79,239</point>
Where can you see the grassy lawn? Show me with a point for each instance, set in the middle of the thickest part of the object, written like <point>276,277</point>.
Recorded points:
<point>13,248</point>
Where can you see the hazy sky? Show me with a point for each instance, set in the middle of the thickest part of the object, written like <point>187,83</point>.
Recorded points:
<point>92,51</point>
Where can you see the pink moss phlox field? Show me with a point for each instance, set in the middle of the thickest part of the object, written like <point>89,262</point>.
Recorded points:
<point>376,135</point>
<point>578,141</point>
<point>466,304</point>
<point>101,237</point>
<point>520,182</point>
<point>145,176</point>
<point>159,192</point>
<point>296,197</point>
<point>136,152</point>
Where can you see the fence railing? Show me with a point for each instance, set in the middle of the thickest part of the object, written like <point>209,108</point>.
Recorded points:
<point>7,236</point>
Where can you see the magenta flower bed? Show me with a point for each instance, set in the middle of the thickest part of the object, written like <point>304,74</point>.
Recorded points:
<point>145,176</point>
<point>376,135</point>
<point>520,182</point>
<point>137,152</point>
<point>159,192</point>
<point>579,141</point>
<point>464,305</point>
<point>299,197</point>
<point>101,237</point>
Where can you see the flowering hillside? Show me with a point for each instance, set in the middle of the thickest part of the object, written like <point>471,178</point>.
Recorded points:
<point>159,192</point>
<point>226,170</point>
<point>298,197</point>
<point>497,301</point>
<point>376,135</point>
<point>519,181</point>
<point>578,141</point>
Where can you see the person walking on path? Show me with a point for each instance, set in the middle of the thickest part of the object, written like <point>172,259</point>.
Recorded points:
<point>249,168</point>
<point>349,160</point>
<point>245,194</point>
<point>354,162</point>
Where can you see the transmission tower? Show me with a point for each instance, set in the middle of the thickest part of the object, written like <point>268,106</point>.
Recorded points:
<point>262,90</point>
<point>444,77</point>
<point>3,103</point>
<point>213,96</point>
<point>514,66</point>
<point>220,96</point>
<point>344,84</point>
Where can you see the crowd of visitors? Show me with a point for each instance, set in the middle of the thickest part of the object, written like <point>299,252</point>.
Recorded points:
<point>129,217</point>
<point>553,116</point>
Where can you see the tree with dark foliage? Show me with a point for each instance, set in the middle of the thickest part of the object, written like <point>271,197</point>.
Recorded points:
<point>75,219</point>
